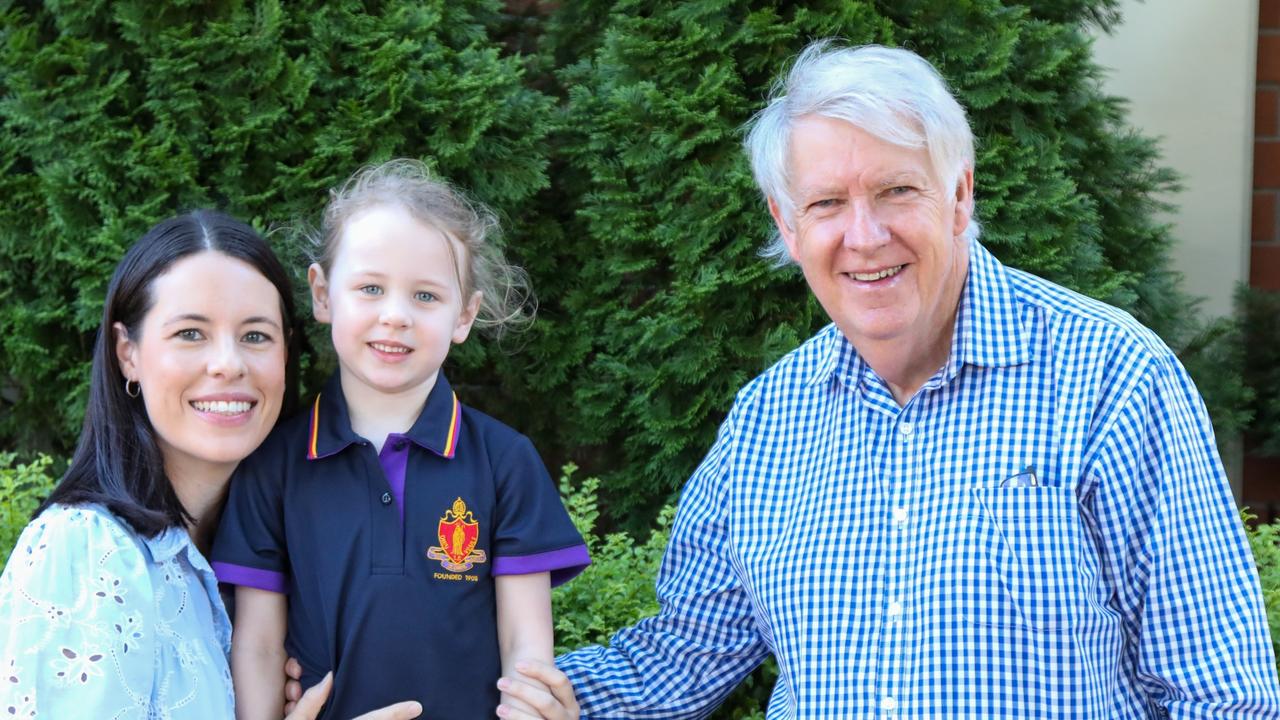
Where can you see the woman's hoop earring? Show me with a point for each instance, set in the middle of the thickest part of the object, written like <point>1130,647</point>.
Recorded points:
<point>137,388</point>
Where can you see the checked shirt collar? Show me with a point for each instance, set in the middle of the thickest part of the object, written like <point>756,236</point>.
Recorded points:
<point>988,331</point>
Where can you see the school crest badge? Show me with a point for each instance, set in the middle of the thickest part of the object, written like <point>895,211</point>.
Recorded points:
<point>459,532</point>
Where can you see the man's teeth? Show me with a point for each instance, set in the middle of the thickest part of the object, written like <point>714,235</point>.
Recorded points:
<point>389,348</point>
<point>869,277</point>
<point>222,407</point>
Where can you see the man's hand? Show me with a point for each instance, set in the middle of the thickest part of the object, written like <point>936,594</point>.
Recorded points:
<point>307,705</point>
<point>558,704</point>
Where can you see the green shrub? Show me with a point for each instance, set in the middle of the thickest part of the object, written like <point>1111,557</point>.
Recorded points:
<point>1265,541</point>
<point>617,590</point>
<point>655,307</point>
<point>1259,329</point>
<point>22,488</point>
<point>115,114</point>
<point>669,310</point>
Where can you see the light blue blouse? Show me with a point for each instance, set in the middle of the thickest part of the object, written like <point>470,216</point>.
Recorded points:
<point>96,621</point>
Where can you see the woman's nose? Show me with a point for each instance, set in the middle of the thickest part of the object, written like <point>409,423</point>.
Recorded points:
<point>226,360</point>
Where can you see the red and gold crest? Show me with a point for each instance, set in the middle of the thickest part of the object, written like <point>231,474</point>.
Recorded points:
<point>459,531</point>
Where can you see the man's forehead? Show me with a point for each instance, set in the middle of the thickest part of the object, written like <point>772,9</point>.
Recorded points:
<point>825,150</point>
<point>821,181</point>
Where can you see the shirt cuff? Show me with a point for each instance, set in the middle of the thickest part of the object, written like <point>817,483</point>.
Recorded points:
<point>564,564</point>
<point>251,577</point>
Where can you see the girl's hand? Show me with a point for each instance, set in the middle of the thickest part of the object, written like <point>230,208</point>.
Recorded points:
<point>309,705</point>
<point>558,704</point>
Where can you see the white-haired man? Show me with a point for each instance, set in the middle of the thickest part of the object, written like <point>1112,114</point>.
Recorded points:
<point>976,494</point>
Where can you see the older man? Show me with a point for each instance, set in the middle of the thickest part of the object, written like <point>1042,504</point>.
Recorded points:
<point>976,494</point>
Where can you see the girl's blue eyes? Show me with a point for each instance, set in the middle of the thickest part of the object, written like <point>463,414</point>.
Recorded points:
<point>190,334</point>
<point>420,296</point>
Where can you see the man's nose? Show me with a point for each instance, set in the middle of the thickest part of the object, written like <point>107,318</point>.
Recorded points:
<point>864,228</point>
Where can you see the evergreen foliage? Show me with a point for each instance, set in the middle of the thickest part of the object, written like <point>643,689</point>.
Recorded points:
<point>1264,540</point>
<point>670,308</point>
<point>611,148</point>
<point>114,115</point>
<point>617,589</point>
<point>22,488</point>
<point>1259,312</point>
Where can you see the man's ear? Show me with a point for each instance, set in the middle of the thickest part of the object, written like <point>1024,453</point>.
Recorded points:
<point>319,293</point>
<point>126,352</point>
<point>787,232</point>
<point>468,318</point>
<point>964,202</point>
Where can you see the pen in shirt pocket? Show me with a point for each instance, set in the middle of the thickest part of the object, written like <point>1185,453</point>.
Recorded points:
<point>1025,478</point>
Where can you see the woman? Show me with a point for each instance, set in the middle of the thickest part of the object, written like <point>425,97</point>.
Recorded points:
<point>108,606</point>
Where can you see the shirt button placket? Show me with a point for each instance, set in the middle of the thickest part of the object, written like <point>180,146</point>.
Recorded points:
<point>900,517</point>
<point>899,541</point>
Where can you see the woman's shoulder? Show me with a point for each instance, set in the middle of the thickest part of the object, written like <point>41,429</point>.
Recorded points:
<point>65,539</point>
<point>89,521</point>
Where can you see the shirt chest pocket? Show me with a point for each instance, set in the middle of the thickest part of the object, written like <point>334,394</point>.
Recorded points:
<point>1025,544</point>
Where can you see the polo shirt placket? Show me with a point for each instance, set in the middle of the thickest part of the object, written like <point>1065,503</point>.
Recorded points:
<point>389,557</point>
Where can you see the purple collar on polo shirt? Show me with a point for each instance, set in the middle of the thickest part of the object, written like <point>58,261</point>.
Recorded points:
<point>436,430</point>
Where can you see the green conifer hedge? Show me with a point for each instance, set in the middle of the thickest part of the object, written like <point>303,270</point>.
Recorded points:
<point>607,134</point>
<point>116,114</point>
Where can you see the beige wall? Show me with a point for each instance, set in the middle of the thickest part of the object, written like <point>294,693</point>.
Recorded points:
<point>1187,68</point>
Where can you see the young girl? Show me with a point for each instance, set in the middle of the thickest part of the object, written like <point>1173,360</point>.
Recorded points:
<point>407,542</point>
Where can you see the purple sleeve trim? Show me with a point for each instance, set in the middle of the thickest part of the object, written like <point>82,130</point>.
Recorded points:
<point>563,564</point>
<point>251,577</point>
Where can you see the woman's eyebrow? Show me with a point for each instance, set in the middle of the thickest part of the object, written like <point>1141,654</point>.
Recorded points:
<point>260,319</point>
<point>197,317</point>
<point>187,317</point>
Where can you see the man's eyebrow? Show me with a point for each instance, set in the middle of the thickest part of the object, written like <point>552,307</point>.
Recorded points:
<point>898,178</point>
<point>818,191</point>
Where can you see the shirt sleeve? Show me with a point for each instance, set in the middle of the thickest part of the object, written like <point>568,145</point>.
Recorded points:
<point>683,662</point>
<point>250,547</point>
<point>1183,570</point>
<point>78,615</point>
<point>533,532</point>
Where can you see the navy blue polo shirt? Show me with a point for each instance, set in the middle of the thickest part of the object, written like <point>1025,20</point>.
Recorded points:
<point>389,558</point>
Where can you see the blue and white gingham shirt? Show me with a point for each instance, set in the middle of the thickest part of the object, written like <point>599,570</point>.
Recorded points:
<point>901,562</point>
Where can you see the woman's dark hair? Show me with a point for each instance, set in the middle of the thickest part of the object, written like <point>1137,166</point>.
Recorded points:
<point>117,462</point>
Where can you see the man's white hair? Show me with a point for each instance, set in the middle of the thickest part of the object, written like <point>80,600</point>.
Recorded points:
<point>891,93</point>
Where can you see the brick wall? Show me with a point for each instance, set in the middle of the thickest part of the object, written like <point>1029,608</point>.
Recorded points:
<point>1262,475</point>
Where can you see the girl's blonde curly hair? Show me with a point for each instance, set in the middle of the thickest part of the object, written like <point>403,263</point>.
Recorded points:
<point>506,300</point>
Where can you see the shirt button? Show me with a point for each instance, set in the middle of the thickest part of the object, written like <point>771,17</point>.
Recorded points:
<point>386,498</point>
<point>906,428</point>
<point>900,516</point>
<point>894,610</point>
<point>888,704</point>
<point>400,444</point>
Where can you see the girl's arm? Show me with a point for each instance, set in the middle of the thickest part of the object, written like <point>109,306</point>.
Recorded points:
<point>257,653</point>
<point>524,625</point>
